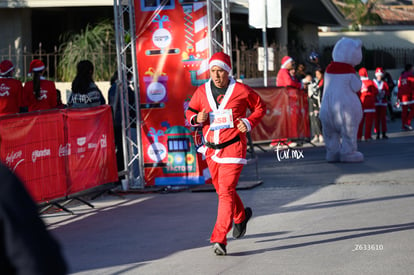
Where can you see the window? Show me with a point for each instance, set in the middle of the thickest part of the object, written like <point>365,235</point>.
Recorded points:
<point>153,5</point>
<point>178,145</point>
<point>190,1</point>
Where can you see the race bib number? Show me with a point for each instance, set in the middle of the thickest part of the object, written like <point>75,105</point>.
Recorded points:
<point>221,120</point>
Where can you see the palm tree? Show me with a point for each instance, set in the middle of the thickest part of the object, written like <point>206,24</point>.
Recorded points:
<point>95,43</point>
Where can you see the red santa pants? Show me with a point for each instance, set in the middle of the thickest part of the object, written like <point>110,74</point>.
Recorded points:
<point>407,115</point>
<point>380,119</point>
<point>294,112</point>
<point>230,207</point>
<point>368,120</point>
<point>406,103</point>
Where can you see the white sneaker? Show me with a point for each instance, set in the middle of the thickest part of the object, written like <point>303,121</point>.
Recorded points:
<point>315,139</point>
<point>320,139</point>
<point>292,144</point>
<point>408,127</point>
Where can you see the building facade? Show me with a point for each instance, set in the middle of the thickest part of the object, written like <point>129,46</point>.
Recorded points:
<point>29,25</point>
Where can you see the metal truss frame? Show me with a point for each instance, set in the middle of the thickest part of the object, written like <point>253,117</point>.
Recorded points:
<point>124,16</point>
<point>219,26</point>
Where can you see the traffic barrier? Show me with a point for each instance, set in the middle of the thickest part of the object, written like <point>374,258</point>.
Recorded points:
<point>57,153</point>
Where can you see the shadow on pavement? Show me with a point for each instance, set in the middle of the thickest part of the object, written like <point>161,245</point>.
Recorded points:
<point>368,231</point>
<point>138,231</point>
<point>323,204</point>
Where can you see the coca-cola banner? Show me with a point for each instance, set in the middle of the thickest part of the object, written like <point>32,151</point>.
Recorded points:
<point>31,145</point>
<point>287,114</point>
<point>92,159</point>
<point>172,55</point>
<point>57,153</point>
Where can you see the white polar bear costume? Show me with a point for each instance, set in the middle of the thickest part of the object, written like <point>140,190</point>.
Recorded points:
<point>341,110</point>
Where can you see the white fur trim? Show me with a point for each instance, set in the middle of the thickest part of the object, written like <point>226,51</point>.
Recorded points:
<point>228,160</point>
<point>228,94</point>
<point>38,69</point>
<point>380,84</point>
<point>407,102</point>
<point>221,64</point>
<point>226,98</point>
<point>287,62</point>
<point>9,70</point>
<point>364,78</point>
<point>216,136</point>
<point>191,119</point>
<point>202,150</point>
<point>247,123</point>
<point>369,111</point>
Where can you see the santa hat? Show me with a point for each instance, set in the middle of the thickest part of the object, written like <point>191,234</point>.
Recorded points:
<point>222,60</point>
<point>6,66</point>
<point>363,73</point>
<point>36,66</point>
<point>286,60</point>
<point>379,72</point>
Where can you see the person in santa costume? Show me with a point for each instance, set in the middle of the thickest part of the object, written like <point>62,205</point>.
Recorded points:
<point>10,89</point>
<point>367,94</point>
<point>381,104</point>
<point>220,107</point>
<point>39,93</point>
<point>406,97</point>
<point>284,78</point>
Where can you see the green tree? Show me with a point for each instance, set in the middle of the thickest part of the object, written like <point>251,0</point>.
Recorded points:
<point>360,12</point>
<point>95,43</point>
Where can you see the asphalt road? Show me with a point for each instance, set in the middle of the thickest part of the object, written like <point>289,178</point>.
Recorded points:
<point>309,217</point>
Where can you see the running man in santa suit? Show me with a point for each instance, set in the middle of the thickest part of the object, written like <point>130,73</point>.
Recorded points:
<point>220,106</point>
<point>381,104</point>
<point>10,89</point>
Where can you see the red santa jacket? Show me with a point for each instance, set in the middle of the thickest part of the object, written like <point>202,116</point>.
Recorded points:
<point>284,79</point>
<point>239,98</point>
<point>10,95</point>
<point>368,94</point>
<point>47,98</point>
<point>405,84</point>
<point>383,92</point>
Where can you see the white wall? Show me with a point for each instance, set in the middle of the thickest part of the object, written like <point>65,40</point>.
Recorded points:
<point>15,31</point>
<point>372,40</point>
<point>65,88</point>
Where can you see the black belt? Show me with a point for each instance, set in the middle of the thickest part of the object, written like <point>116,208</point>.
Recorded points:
<point>224,144</point>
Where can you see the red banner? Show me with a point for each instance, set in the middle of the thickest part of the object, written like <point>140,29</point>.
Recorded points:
<point>60,152</point>
<point>172,56</point>
<point>92,158</point>
<point>287,114</point>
